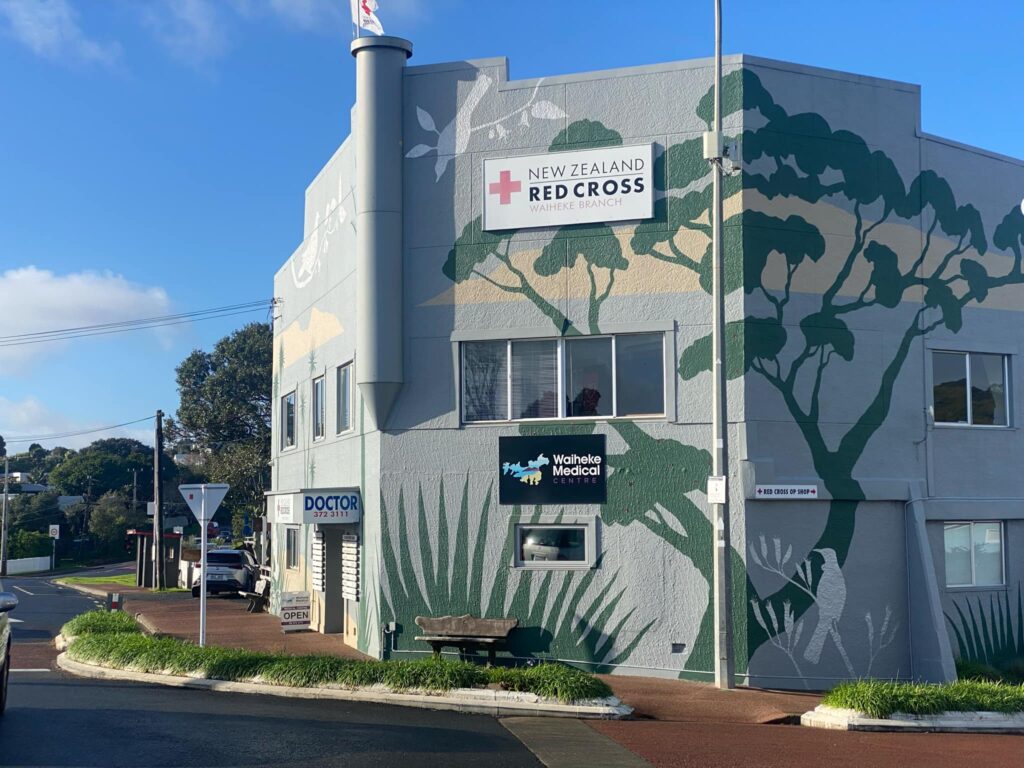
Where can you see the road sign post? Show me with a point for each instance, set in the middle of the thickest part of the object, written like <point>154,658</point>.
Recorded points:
<point>54,535</point>
<point>203,500</point>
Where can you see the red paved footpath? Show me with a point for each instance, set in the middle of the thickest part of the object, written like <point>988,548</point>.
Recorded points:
<point>699,726</point>
<point>678,723</point>
<point>227,624</point>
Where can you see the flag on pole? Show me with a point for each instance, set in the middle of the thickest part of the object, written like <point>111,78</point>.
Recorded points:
<point>364,16</point>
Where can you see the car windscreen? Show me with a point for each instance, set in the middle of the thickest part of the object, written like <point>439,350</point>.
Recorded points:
<point>224,558</point>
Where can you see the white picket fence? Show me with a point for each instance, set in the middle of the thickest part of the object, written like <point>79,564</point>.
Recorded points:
<point>28,565</point>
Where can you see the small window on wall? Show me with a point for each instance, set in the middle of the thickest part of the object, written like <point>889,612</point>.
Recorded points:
<point>288,420</point>
<point>568,378</point>
<point>319,409</point>
<point>970,389</point>
<point>974,554</point>
<point>291,544</point>
<point>344,398</point>
<point>558,546</point>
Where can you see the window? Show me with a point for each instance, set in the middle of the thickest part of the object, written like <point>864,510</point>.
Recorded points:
<point>291,545</point>
<point>974,554</point>
<point>344,398</point>
<point>319,409</point>
<point>970,388</point>
<point>288,420</point>
<point>554,545</point>
<point>579,377</point>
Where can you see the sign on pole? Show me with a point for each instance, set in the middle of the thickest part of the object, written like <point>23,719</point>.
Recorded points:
<point>54,531</point>
<point>203,500</point>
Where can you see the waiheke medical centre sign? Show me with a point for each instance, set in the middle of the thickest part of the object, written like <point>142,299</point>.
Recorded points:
<point>579,187</point>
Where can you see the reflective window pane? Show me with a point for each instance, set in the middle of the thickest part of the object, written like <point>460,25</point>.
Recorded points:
<point>485,381</point>
<point>988,390</point>
<point>640,374</point>
<point>988,554</point>
<point>949,378</point>
<point>288,420</point>
<point>958,554</point>
<point>534,379</point>
<point>344,397</point>
<point>588,377</point>
<point>552,543</point>
<point>319,409</point>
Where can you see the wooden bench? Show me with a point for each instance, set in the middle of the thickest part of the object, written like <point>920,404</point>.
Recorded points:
<point>259,597</point>
<point>465,632</point>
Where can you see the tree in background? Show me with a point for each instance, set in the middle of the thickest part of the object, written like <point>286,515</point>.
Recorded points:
<point>111,516</point>
<point>105,465</point>
<point>224,413</point>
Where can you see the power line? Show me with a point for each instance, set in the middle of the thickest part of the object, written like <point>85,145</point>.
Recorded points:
<point>62,435</point>
<point>39,337</point>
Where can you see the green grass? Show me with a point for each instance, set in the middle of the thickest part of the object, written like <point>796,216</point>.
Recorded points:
<point>125,647</point>
<point>124,579</point>
<point>880,698</point>
<point>100,622</point>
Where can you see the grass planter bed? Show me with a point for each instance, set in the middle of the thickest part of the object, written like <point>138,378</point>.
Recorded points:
<point>110,642</point>
<point>882,699</point>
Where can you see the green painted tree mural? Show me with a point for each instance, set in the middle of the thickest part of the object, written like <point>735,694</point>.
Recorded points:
<point>802,160</point>
<point>792,164</point>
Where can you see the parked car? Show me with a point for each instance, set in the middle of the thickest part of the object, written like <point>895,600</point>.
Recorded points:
<point>229,570</point>
<point>8,602</point>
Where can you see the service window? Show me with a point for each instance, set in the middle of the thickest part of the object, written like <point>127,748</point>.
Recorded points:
<point>288,420</point>
<point>319,409</point>
<point>554,545</point>
<point>974,554</point>
<point>291,543</point>
<point>970,388</point>
<point>344,398</point>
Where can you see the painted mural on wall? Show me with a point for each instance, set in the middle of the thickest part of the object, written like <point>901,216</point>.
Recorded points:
<point>815,212</point>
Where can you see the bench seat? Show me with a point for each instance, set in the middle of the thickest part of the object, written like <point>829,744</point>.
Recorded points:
<point>465,632</point>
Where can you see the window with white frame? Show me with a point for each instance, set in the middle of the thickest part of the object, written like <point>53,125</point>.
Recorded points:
<point>288,420</point>
<point>566,378</point>
<point>319,413</point>
<point>539,545</point>
<point>291,546</point>
<point>344,411</point>
<point>970,388</point>
<point>974,554</point>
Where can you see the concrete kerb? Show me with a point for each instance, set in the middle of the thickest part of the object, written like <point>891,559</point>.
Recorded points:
<point>947,722</point>
<point>477,701</point>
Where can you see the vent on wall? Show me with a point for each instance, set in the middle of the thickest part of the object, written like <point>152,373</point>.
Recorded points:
<point>678,647</point>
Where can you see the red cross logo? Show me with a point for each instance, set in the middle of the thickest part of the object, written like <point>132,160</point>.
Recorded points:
<point>504,187</point>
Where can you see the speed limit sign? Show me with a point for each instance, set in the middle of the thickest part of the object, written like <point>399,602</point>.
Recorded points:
<point>54,531</point>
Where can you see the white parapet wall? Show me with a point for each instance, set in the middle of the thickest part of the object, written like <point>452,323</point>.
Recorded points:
<point>28,565</point>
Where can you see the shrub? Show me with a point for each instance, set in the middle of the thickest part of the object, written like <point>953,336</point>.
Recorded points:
<point>555,681</point>
<point>880,698</point>
<point>29,544</point>
<point>100,622</point>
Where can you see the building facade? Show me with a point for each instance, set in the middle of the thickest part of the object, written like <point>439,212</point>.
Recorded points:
<point>874,297</point>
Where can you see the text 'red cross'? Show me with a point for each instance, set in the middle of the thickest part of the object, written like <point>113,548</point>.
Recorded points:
<point>504,187</point>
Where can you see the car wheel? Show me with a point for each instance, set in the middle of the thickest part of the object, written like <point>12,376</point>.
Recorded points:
<point>195,591</point>
<point>3,682</point>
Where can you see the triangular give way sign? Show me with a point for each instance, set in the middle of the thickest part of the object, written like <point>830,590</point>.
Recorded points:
<point>204,499</point>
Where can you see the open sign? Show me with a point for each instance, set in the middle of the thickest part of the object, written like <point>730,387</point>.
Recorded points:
<point>295,611</point>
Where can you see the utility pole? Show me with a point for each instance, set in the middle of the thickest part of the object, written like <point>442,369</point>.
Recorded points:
<point>719,499</point>
<point>158,513</point>
<point>3,522</point>
<point>135,490</point>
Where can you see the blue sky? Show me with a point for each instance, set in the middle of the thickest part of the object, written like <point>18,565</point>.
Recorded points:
<point>154,153</point>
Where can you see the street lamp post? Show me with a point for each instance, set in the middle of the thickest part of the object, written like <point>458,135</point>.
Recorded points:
<point>718,483</point>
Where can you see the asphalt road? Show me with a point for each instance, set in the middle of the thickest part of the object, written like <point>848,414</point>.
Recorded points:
<point>56,720</point>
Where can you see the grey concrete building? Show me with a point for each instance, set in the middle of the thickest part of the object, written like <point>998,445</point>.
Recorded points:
<point>486,259</point>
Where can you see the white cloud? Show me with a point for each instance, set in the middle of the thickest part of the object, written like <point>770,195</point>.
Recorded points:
<point>191,30</point>
<point>49,28</point>
<point>38,300</point>
<point>29,417</point>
